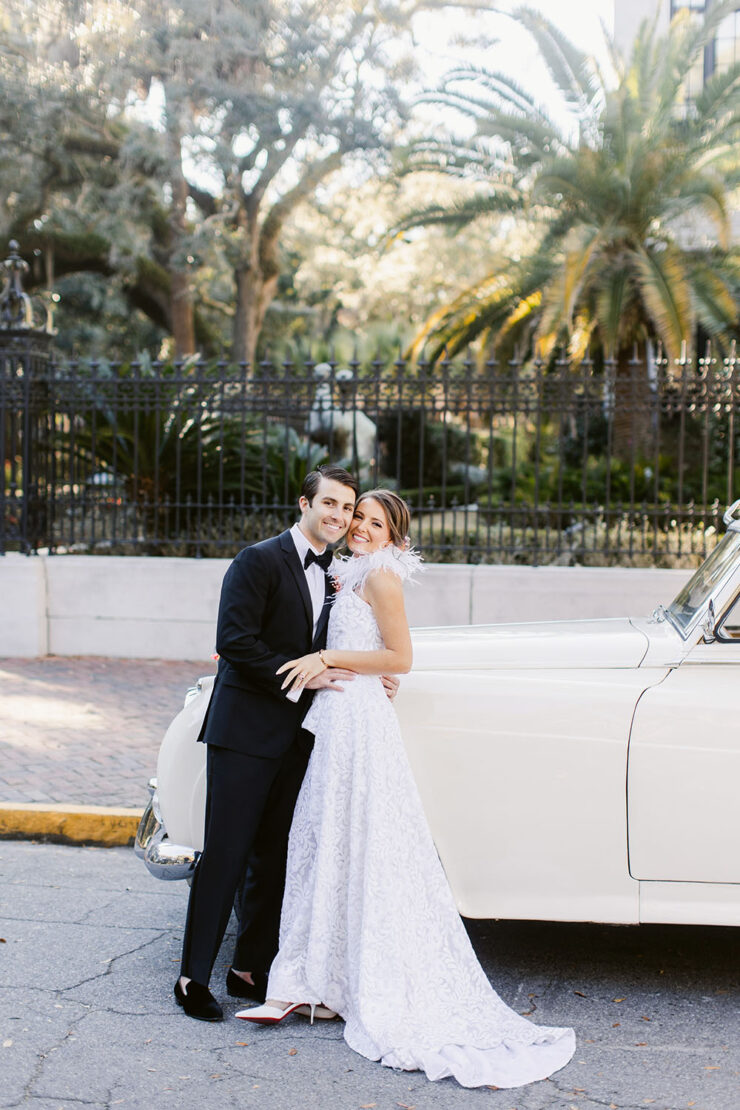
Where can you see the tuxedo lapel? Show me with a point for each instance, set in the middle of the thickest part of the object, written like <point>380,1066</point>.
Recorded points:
<point>293,563</point>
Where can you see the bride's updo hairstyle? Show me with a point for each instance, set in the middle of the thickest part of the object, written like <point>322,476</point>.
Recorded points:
<point>396,512</point>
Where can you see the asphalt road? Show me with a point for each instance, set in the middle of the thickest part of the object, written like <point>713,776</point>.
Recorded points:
<point>89,953</point>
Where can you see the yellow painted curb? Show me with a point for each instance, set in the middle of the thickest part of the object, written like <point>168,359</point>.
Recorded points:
<point>105,826</point>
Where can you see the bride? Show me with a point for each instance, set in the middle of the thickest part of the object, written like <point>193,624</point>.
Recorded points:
<point>369,928</point>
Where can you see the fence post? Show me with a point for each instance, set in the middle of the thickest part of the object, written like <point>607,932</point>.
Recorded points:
<point>731,364</point>
<point>25,335</point>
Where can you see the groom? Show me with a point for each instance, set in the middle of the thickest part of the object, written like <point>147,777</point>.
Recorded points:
<point>274,607</point>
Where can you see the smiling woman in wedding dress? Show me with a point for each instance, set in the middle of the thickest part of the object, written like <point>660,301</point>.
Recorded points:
<point>369,928</point>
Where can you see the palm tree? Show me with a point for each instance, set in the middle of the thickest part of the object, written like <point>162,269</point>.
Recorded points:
<point>612,202</point>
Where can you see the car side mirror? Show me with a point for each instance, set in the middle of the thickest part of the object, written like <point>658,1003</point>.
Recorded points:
<point>708,628</point>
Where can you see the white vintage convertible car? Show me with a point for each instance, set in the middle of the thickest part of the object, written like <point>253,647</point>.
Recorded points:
<point>571,771</point>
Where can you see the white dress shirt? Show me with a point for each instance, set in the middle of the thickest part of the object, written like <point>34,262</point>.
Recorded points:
<point>315,576</point>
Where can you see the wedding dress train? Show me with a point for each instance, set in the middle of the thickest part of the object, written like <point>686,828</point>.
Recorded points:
<point>369,927</point>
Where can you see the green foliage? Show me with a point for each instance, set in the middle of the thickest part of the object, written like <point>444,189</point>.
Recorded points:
<point>577,470</point>
<point>611,193</point>
<point>180,441</point>
<point>447,448</point>
<point>94,315</point>
<point>444,497</point>
<point>186,136</point>
<point>288,458</point>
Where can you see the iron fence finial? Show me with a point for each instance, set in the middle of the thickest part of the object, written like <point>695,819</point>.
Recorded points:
<point>16,307</point>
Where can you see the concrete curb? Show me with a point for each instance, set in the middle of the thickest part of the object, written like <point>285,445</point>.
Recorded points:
<point>103,826</point>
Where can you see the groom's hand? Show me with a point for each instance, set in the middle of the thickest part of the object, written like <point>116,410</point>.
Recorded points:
<point>330,679</point>
<point>391,684</point>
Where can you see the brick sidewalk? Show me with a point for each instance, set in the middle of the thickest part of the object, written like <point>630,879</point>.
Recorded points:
<point>86,730</point>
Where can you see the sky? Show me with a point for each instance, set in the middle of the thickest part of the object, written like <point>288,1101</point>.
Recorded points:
<point>580,20</point>
<point>490,39</point>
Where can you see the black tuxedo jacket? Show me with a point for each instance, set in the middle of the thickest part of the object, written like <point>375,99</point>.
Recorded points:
<point>265,618</point>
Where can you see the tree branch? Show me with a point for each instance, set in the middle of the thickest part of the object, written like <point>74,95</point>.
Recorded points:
<point>205,200</point>
<point>314,174</point>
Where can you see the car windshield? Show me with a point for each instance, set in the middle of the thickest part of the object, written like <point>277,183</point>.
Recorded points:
<point>683,611</point>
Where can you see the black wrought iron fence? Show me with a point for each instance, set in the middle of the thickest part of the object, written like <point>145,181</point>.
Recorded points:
<point>502,462</point>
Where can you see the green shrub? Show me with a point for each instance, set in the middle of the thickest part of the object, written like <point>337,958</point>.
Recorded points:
<point>446,448</point>
<point>181,440</point>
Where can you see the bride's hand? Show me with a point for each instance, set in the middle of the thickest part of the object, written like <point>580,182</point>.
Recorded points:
<point>390,685</point>
<point>301,671</point>
<point>333,678</point>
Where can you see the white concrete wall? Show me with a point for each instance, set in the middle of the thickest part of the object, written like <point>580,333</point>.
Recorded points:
<point>131,607</point>
<point>23,620</point>
<point>166,608</point>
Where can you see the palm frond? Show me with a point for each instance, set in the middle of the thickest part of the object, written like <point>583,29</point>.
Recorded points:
<point>664,289</point>
<point>615,55</point>
<point>568,66</point>
<point>582,189</point>
<point>704,193</point>
<point>722,156</point>
<point>706,29</point>
<point>502,199</point>
<point>505,301</point>
<point>533,132</point>
<point>674,56</point>
<point>500,321</point>
<point>716,301</point>
<point>615,209</point>
<point>721,92</point>
<point>475,107</point>
<point>475,159</point>
<point>522,311</point>
<point>450,321</point>
<point>644,68</point>
<point>610,302</point>
<point>501,84</point>
<point>506,95</point>
<point>561,295</point>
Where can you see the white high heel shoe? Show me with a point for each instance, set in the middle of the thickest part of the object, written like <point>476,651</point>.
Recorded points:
<point>272,1015</point>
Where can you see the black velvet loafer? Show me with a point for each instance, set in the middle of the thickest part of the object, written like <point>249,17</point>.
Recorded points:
<point>198,1002</point>
<point>238,988</point>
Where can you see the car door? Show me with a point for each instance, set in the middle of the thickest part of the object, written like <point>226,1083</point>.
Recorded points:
<point>683,781</point>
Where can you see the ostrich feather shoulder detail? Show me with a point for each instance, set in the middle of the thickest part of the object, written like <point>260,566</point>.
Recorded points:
<point>351,572</point>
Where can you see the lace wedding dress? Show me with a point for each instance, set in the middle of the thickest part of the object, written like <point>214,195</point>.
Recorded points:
<point>369,926</point>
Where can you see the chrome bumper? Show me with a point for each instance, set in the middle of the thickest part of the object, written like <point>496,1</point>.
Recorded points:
<point>163,859</point>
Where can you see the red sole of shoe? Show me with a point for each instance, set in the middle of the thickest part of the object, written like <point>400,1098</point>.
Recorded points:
<point>261,1021</point>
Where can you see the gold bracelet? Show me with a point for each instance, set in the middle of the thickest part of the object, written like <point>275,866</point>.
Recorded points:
<point>321,657</point>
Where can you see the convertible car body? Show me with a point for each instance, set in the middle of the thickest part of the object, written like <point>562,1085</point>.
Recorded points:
<point>571,770</point>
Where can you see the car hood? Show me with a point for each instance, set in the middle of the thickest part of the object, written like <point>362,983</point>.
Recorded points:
<point>552,644</point>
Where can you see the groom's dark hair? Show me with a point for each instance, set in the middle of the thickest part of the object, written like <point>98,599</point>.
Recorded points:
<point>328,470</point>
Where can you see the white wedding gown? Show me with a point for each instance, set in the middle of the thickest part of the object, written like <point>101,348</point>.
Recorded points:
<point>369,926</point>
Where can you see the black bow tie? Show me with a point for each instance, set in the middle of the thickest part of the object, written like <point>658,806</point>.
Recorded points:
<point>323,560</point>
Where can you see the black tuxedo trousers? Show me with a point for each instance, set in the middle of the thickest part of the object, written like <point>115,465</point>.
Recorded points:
<point>250,802</point>
<point>257,757</point>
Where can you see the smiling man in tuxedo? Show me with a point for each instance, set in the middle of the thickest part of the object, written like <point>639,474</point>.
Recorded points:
<point>274,607</point>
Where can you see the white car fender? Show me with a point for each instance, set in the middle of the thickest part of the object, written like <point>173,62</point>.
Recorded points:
<point>181,770</point>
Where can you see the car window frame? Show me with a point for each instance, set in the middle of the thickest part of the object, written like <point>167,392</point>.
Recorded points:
<point>686,631</point>
<point>721,620</point>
